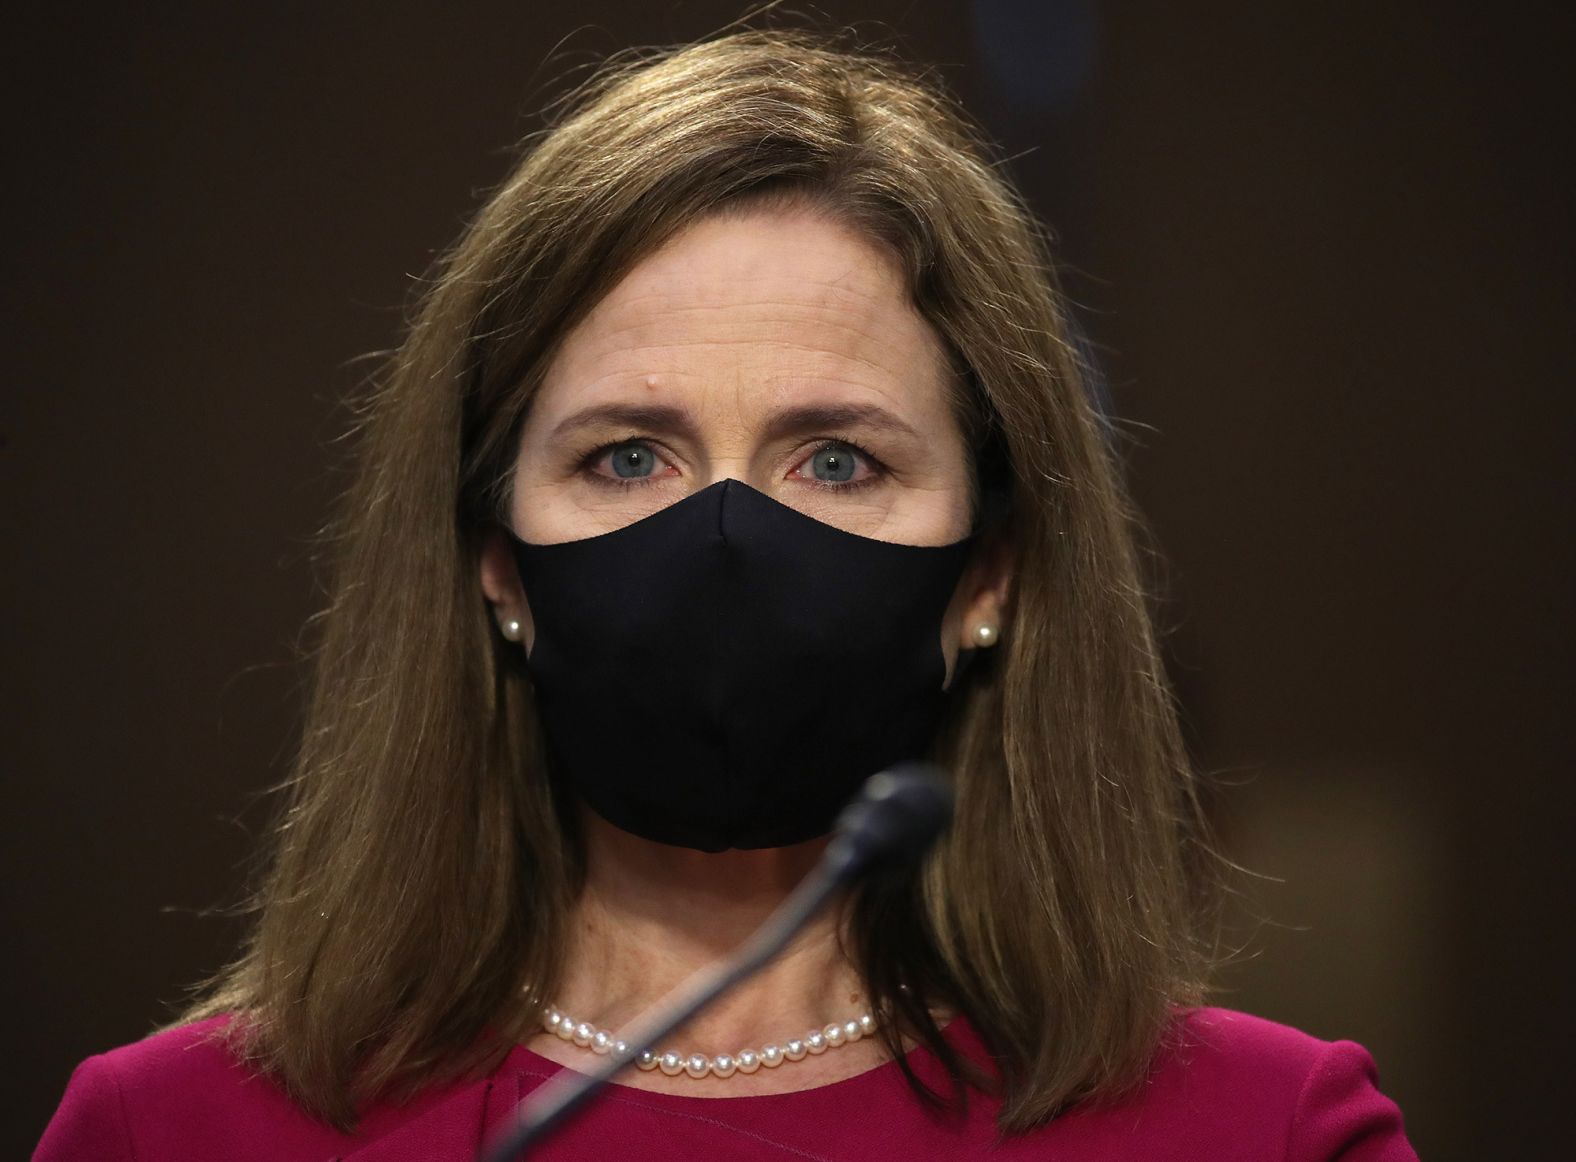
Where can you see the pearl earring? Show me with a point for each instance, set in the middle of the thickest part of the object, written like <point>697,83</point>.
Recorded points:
<point>510,628</point>
<point>985,634</point>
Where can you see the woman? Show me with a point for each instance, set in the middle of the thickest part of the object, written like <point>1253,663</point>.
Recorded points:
<point>738,450</point>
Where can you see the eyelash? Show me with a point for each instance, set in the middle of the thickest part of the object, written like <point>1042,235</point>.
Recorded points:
<point>877,470</point>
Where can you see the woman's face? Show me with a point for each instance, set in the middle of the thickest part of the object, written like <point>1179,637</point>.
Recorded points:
<point>778,348</point>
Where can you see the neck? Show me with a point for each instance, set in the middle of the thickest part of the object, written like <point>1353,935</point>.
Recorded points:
<point>650,915</point>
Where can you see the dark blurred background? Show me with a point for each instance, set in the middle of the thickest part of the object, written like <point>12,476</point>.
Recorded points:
<point>1323,255</point>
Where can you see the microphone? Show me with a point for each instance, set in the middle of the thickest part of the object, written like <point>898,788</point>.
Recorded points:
<point>897,814</point>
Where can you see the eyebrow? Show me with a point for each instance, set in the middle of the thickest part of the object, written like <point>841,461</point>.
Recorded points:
<point>789,421</point>
<point>657,417</point>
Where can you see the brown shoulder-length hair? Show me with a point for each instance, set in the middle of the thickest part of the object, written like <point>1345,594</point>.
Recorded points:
<point>421,871</point>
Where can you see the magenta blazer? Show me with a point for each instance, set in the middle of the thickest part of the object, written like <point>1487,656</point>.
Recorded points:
<point>1232,1088</point>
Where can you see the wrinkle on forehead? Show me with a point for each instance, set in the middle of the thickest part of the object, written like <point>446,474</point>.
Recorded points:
<point>725,298</point>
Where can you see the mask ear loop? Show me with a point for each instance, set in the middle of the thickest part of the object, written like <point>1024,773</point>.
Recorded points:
<point>993,481</point>
<point>966,657</point>
<point>992,463</point>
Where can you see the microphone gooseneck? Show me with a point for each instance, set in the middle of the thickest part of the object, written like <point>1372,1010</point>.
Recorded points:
<point>897,814</point>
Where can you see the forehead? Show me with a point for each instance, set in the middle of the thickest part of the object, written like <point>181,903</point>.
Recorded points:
<point>759,304</point>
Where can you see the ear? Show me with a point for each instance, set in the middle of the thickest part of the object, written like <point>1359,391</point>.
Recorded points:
<point>985,587</point>
<point>501,586</point>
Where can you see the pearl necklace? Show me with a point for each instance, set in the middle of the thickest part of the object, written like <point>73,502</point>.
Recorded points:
<point>698,1065</point>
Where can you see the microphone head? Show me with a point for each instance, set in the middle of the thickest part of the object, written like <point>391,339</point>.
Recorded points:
<point>897,814</point>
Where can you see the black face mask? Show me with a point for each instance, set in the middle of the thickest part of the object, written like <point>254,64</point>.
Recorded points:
<point>726,672</point>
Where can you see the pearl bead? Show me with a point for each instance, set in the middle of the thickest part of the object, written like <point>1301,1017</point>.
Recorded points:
<point>550,1022</point>
<point>985,634</point>
<point>620,1048</point>
<point>815,1041</point>
<point>772,1056</point>
<point>697,1065</point>
<point>601,1041</point>
<point>566,1027</point>
<point>647,1060</point>
<point>794,1050</point>
<point>512,630</point>
<point>867,1024</point>
<point>583,1032</point>
<point>834,1035</point>
<point>748,1061</point>
<point>852,1031</point>
<point>671,1063</point>
<point>723,1065</point>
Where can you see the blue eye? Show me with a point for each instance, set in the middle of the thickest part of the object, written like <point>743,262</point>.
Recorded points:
<point>833,463</point>
<point>633,460</point>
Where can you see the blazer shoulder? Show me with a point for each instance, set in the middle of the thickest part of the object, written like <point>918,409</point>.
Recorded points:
<point>197,1045</point>
<point>94,1116</point>
<point>1226,1038</point>
<point>1321,1098</point>
<point>183,1092</point>
<point>195,1060</point>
